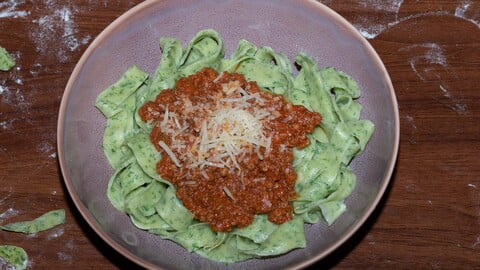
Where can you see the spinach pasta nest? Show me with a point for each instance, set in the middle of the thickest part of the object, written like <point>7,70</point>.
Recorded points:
<point>230,157</point>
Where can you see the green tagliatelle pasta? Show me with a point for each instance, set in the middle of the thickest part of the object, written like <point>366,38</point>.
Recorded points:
<point>15,256</point>
<point>324,178</point>
<point>42,223</point>
<point>6,60</point>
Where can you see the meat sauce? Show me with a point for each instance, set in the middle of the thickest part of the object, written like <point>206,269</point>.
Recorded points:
<point>254,179</point>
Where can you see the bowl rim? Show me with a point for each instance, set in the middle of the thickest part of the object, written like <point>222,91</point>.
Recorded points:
<point>143,263</point>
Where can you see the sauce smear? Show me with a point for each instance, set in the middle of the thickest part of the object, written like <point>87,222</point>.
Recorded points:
<point>228,147</point>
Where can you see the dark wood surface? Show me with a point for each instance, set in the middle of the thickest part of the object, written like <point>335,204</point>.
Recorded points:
<point>430,214</point>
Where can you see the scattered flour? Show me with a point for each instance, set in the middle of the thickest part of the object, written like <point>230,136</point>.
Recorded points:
<point>8,214</point>
<point>7,124</point>
<point>64,256</point>
<point>55,234</point>
<point>461,12</point>
<point>370,31</point>
<point>410,121</point>
<point>35,69</point>
<point>371,27</point>
<point>410,187</point>
<point>383,5</point>
<point>430,59</point>
<point>14,98</point>
<point>5,266</point>
<point>8,9</point>
<point>477,242</point>
<point>71,244</point>
<point>10,192</point>
<point>445,91</point>
<point>18,81</point>
<point>460,108</point>
<point>32,235</point>
<point>385,11</point>
<point>45,147</point>
<point>434,55</point>
<point>58,28</point>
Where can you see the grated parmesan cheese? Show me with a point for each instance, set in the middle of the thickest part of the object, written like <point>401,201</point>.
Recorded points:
<point>229,193</point>
<point>227,131</point>
<point>169,153</point>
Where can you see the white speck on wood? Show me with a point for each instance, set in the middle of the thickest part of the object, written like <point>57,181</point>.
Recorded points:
<point>477,242</point>
<point>445,91</point>
<point>410,121</point>
<point>7,124</point>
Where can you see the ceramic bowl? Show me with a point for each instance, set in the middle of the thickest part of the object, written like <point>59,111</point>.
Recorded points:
<point>288,26</point>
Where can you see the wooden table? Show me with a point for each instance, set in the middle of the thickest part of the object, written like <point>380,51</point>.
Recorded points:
<point>430,215</point>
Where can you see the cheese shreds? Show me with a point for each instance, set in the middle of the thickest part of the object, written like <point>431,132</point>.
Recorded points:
<point>169,153</point>
<point>218,77</point>
<point>214,164</point>
<point>165,117</point>
<point>227,130</point>
<point>266,202</point>
<point>189,183</point>
<point>204,174</point>
<point>229,193</point>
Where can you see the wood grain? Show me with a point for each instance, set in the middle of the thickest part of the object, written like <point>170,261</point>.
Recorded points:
<point>430,215</point>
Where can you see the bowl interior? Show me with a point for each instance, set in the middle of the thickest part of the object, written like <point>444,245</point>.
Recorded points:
<point>287,26</point>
